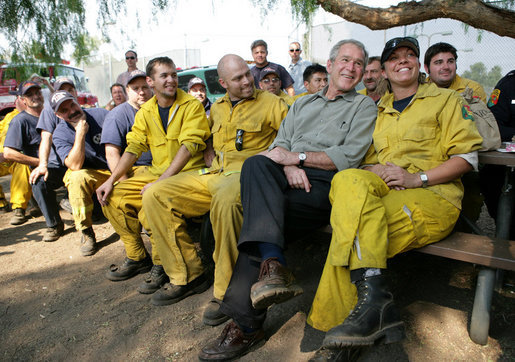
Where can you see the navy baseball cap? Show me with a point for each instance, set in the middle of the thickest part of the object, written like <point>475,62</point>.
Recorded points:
<point>266,71</point>
<point>61,81</point>
<point>395,43</point>
<point>24,88</point>
<point>58,98</point>
<point>135,74</point>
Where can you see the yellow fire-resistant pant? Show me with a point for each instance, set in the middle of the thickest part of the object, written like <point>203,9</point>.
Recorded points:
<point>169,202</point>
<point>21,191</point>
<point>81,185</point>
<point>370,224</point>
<point>125,212</point>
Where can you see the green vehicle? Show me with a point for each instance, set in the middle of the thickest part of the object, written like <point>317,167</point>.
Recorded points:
<point>210,76</point>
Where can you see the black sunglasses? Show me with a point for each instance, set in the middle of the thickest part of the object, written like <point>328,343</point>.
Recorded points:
<point>130,58</point>
<point>294,50</point>
<point>392,43</point>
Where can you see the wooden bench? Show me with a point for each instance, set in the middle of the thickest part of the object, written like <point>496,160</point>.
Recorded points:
<point>491,253</point>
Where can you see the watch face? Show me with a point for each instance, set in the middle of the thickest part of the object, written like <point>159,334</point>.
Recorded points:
<point>302,156</point>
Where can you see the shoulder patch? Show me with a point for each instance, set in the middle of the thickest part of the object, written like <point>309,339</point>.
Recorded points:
<point>467,113</point>
<point>494,98</point>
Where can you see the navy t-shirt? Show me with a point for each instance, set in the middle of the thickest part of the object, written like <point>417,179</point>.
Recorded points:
<point>117,124</point>
<point>22,134</point>
<point>286,79</point>
<point>47,122</point>
<point>64,138</point>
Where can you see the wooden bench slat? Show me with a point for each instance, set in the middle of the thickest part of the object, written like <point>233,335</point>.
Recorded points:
<point>477,249</point>
<point>471,248</point>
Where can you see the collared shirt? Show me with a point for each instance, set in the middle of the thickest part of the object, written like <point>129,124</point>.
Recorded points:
<point>124,77</point>
<point>117,124</point>
<point>64,139</point>
<point>434,127</point>
<point>340,127</point>
<point>187,126</point>
<point>296,71</point>
<point>258,116</point>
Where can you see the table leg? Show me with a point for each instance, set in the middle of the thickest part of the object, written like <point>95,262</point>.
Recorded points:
<point>480,321</point>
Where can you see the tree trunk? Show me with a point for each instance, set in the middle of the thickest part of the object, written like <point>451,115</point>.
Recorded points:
<point>476,13</point>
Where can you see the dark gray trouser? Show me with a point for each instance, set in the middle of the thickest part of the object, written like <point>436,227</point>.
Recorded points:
<point>272,212</point>
<point>44,193</point>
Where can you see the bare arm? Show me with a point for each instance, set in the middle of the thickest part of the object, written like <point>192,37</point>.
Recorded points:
<point>11,154</point>
<point>209,152</point>
<point>290,90</point>
<point>123,165</point>
<point>398,178</point>
<point>179,161</point>
<point>44,153</point>
<point>313,159</point>
<point>75,158</point>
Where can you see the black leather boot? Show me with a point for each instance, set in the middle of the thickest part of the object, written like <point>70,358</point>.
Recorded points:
<point>374,319</point>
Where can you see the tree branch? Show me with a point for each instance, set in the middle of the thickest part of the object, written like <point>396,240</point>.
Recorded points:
<point>476,13</point>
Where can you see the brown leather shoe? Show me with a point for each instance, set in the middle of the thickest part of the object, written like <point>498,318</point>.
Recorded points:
<point>232,343</point>
<point>276,284</point>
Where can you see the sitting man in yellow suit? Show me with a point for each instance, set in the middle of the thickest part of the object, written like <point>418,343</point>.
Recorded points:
<point>174,127</point>
<point>244,122</point>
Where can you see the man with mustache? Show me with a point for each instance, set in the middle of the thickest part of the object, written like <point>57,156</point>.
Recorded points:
<point>77,143</point>
<point>371,78</point>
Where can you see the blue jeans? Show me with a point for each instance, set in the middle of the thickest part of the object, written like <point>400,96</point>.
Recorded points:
<point>44,193</point>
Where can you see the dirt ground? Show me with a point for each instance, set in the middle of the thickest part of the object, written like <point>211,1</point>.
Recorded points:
<point>57,305</point>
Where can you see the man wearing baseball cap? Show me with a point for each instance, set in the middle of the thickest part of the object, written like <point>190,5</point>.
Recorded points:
<point>46,126</point>
<point>271,82</point>
<point>22,145</point>
<point>197,88</point>
<point>77,143</point>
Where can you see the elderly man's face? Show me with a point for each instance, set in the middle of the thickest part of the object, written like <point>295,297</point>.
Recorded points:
<point>271,83</point>
<point>198,91</point>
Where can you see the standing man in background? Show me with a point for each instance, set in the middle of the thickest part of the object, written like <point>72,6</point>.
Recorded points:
<point>259,50</point>
<point>297,67</point>
<point>131,58</point>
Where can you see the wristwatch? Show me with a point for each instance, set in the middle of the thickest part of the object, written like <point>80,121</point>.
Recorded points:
<point>302,158</point>
<point>423,178</point>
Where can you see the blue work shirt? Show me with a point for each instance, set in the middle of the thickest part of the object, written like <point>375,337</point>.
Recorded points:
<point>64,138</point>
<point>22,134</point>
<point>47,122</point>
<point>117,124</point>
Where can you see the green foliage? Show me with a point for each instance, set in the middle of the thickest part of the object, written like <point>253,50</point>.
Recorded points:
<point>38,30</point>
<point>479,73</point>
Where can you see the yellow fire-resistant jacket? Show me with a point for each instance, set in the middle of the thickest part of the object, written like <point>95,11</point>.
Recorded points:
<point>432,128</point>
<point>258,116</point>
<point>187,126</point>
<point>459,84</point>
<point>4,126</point>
